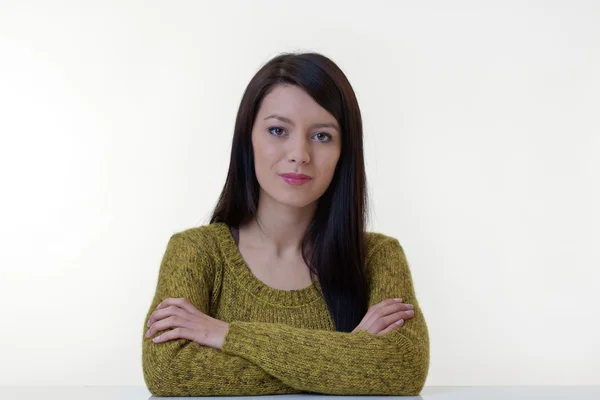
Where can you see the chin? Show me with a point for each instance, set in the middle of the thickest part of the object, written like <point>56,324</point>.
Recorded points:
<point>295,201</point>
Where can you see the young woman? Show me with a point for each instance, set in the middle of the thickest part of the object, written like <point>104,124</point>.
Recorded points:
<point>284,291</point>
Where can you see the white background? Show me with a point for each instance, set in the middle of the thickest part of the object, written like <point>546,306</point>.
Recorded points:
<point>482,141</point>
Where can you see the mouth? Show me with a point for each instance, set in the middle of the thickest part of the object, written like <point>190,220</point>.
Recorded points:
<point>295,179</point>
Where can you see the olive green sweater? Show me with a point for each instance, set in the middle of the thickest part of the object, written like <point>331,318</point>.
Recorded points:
<point>280,341</point>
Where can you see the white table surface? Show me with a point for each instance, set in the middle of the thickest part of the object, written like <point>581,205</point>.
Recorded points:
<point>429,392</point>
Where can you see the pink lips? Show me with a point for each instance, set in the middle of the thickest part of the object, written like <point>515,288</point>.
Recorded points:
<point>295,179</point>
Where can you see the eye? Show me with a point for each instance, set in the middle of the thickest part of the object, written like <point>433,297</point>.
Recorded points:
<point>279,129</point>
<point>326,135</point>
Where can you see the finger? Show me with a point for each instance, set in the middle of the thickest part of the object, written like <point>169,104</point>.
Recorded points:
<point>395,308</point>
<point>392,327</point>
<point>392,318</point>
<point>166,312</point>
<point>388,316</point>
<point>368,318</point>
<point>169,322</point>
<point>181,302</point>
<point>386,302</point>
<point>383,303</point>
<point>387,307</point>
<point>177,333</point>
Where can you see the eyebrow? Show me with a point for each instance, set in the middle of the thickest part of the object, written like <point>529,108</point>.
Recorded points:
<point>317,125</point>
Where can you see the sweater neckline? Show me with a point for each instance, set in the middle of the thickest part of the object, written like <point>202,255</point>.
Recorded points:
<point>259,289</point>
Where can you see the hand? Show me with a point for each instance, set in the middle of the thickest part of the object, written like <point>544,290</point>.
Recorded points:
<point>187,322</point>
<point>383,317</point>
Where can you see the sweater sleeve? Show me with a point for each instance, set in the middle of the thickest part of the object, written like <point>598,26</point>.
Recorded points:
<point>183,367</point>
<point>331,362</point>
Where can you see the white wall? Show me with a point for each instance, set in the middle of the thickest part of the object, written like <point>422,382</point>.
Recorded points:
<point>482,147</point>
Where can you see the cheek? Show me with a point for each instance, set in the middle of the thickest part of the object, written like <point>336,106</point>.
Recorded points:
<point>265,153</point>
<point>269,151</point>
<point>329,160</point>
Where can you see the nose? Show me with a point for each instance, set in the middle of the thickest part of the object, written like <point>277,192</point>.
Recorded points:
<point>299,151</point>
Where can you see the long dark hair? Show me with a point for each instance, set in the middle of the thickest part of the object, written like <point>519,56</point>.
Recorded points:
<point>336,235</point>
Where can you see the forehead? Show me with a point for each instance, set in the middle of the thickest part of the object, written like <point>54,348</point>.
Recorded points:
<point>293,102</point>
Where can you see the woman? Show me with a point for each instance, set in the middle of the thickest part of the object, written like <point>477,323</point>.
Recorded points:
<point>284,291</point>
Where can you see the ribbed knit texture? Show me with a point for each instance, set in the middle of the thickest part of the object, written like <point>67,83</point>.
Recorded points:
<point>280,342</point>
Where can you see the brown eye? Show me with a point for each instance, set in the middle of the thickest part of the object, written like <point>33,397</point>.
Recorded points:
<point>275,128</point>
<point>325,136</point>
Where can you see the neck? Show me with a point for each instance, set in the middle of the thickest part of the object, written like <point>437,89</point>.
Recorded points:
<point>279,228</point>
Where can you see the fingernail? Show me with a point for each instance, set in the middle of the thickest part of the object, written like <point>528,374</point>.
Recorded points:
<point>398,299</point>
<point>400,322</point>
<point>410,306</point>
<point>148,333</point>
<point>410,312</point>
<point>156,339</point>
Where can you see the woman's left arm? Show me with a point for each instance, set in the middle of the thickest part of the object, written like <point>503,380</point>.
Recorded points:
<point>331,362</point>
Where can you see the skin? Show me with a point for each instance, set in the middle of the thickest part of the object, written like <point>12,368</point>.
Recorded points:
<point>284,210</point>
<point>302,138</point>
<point>291,134</point>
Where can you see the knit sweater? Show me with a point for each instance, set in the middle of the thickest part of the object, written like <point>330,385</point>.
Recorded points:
<point>279,341</point>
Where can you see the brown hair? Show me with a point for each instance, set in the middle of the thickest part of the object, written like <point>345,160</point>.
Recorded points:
<point>336,235</point>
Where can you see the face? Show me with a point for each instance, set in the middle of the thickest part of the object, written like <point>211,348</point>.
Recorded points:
<point>293,134</point>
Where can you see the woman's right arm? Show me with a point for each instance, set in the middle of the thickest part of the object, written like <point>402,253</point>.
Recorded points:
<point>185,368</point>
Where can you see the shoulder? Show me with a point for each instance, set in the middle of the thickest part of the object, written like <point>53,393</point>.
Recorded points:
<point>201,234</point>
<point>386,260</point>
<point>208,239</point>
<point>377,241</point>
